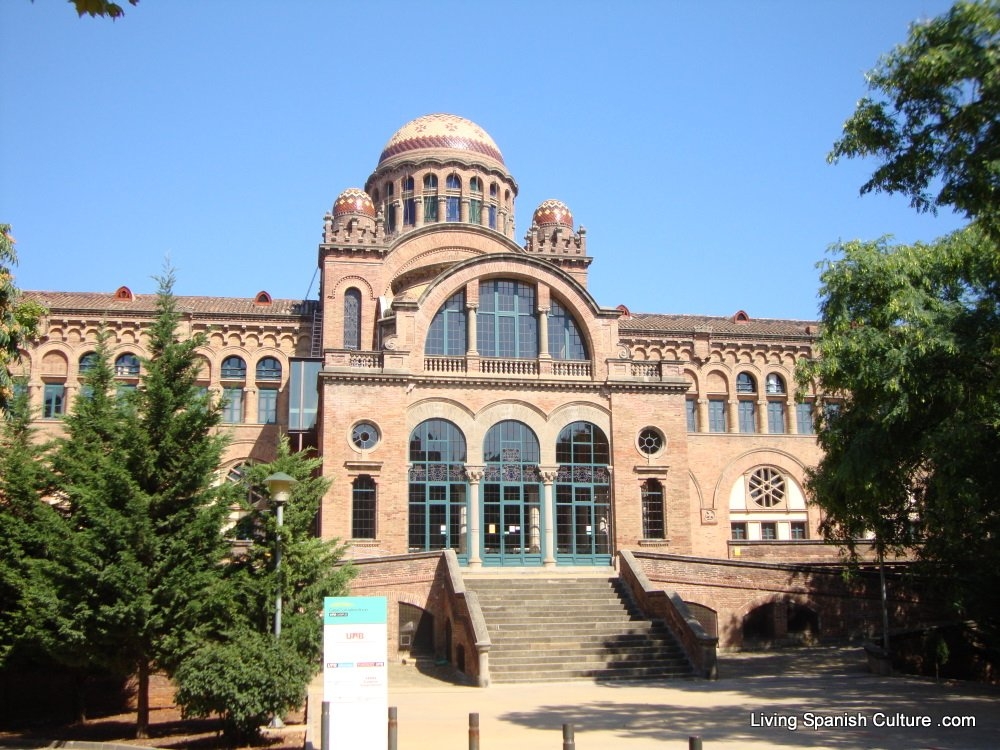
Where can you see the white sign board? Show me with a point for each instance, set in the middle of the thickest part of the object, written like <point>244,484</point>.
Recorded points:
<point>355,671</point>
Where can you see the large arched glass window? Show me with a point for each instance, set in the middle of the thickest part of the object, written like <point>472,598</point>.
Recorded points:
<point>88,362</point>
<point>507,323</point>
<point>438,488</point>
<point>352,319</point>
<point>565,341</point>
<point>512,520</point>
<point>583,493</point>
<point>446,335</point>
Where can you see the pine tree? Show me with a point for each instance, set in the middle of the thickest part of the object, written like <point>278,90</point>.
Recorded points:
<point>138,473</point>
<point>33,541</point>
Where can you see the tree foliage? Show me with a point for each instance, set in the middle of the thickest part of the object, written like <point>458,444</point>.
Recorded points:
<point>34,540</point>
<point>910,339</point>
<point>18,317</point>
<point>933,122</point>
<point>243,673</point>
<point>137,472</point>
<point>105,8</point>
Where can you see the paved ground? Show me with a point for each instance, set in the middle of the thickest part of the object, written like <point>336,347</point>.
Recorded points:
<point>752,705</point>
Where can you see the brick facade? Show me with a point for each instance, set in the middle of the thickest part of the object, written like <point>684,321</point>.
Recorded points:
<point>701,416</point>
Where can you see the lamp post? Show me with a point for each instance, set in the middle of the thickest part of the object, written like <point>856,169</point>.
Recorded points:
<point>279,486</point>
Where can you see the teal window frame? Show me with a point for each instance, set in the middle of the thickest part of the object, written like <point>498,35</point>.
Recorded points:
<point>267,406</point>
<point>53,400</point>
<point>507,321</point>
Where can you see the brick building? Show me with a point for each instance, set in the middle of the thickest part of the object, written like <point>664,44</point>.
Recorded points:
<point>467,392</point>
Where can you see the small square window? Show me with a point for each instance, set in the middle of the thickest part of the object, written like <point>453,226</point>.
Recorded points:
<point>738,531</point>
<point>769,530</point>
<point>798,530</point>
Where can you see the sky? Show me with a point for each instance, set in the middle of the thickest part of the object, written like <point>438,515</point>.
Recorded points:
<point>688,137</point>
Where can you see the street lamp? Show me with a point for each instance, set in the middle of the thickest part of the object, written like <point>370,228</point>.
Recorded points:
<point>279,486</point>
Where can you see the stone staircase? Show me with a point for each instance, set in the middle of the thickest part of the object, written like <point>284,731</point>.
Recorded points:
<point>561,628</point>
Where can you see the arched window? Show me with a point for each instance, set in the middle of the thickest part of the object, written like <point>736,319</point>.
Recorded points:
<point>583,492</point>
<point>438,488</point>
<point>127,366</point>
<point>409,204</point>
<point>565,341</point>
<point>775,384</point>
<point>653,522</point>
<point>507,323</point>
<point>352,319</point>
<point>493,205</point>
<point>430,199</point>
<point>363,508</point>
<point>447,335</point>
<point>476,202</point>
<point>269,368</point>
<point>511,495</point>
<point>745,383</point>
<point>453,201</point>
<point>234,368</point>
<point>88,362</point>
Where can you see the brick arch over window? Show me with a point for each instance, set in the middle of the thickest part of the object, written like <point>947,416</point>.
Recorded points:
<point>790,465</point>
<point>594,322</point>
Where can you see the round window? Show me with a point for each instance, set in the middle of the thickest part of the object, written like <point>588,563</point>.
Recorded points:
<point>651,441</point>
<point>365,435</point>
<point>767,487</point>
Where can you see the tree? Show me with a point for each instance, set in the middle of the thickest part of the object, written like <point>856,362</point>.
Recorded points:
<point>138,473</point>
<point>908,338</point>
<point>34,542</point>
<point>244,673</point>
<point>934,124</point>
<point>18,317</point>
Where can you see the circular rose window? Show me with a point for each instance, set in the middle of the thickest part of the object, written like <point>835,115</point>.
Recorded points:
<point>365,435</point>
<point>767,487</point>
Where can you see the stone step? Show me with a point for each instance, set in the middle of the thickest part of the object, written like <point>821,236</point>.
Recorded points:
<point>549,629</point>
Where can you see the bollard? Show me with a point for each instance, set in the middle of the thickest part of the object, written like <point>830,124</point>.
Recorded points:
<point>694,743</point>
<point>473,731</point>
<point>324,726</point>
<point>393,727</point>
<point>569,743</point>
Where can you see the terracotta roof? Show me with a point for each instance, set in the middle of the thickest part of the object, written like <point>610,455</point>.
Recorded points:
<point>655,323</point>
<point>99,302</point>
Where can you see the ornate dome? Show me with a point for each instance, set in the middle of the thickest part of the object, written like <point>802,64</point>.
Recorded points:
<point>553,212</point>
<point>440,132</point>
<point>353,201</point>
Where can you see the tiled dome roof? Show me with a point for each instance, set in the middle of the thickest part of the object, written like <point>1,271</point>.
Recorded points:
<point>441,132</point>
<point>354,201</point>
<point>553,212</point>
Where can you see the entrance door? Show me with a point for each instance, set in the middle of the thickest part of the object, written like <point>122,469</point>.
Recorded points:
<point>512,529</point>
<point>582,525</point>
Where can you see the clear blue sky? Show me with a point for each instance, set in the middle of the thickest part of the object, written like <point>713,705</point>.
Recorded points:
<point>688,137</point>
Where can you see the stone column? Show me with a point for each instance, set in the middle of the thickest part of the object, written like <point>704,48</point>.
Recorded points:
<point>250,405</point>
<point>475,475</point>
<point>792,417</point>
<point>471,311</point>
<point>762,426</point>
<point>442,209</point>
<point>733,407</point>
<point>702,415</point>
<point>543,333</point>
<point>463,210</point>
<point>548,515</point>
